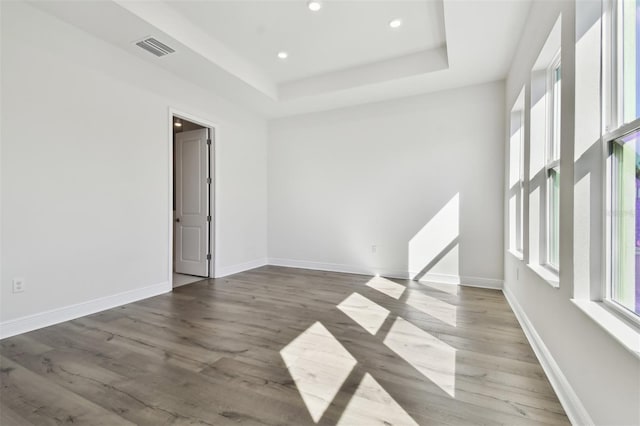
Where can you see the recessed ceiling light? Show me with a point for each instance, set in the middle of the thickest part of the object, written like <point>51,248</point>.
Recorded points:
<point>314,5</point>
<point>177,122</point>
<point>283,55</point>
<point>395,23</point>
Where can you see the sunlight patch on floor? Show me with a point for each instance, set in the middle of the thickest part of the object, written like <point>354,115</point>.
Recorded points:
<point>372,405</point>
<point>319,365</point>
<point>436,308</point>
<point>365,312</point>
<point>432,357</point>
<point>387,287</point>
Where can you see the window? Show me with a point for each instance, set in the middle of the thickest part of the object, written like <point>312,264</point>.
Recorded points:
<point>542,149</point>
<point>625,223</point>
<point>552,166</point>
<point>621,59</point>
<point>629,72</point>
<point>622,139</point>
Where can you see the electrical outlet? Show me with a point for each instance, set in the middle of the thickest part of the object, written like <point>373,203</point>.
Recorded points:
<point>517,274</point>
<point>374,249</point>
<point>18,285</point>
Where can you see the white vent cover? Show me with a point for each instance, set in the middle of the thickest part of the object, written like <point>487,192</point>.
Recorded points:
<point>154,46</point>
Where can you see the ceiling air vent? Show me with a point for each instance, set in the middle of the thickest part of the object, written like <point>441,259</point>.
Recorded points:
<point>152,45</point>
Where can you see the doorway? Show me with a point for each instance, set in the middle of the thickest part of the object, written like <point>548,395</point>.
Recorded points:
<point>192,215</point>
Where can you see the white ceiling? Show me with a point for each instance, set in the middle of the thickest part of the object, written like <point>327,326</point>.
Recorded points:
<point>343,34</point>
<point>343,55</point>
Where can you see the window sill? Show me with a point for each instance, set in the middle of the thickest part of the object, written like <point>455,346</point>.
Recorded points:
<point>518,255</point>
<point>550,277</point>
<point>627,335</point>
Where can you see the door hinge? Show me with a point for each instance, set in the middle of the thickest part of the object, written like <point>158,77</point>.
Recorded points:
<point>208,141</point>
<point>208,218</point>
<point>209,181</point>
<point>209,256</point>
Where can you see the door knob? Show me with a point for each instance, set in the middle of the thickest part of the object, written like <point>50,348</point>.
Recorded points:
<point>177,219</point>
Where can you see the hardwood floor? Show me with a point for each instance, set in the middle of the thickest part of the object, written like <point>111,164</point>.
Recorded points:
<point>283,346</point>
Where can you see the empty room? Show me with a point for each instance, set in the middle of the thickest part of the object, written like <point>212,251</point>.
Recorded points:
<point>320,212</point>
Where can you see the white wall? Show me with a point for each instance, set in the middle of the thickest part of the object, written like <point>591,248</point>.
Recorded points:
<point>598,378</point>
<point>85,168</point>
<point>343,181</point>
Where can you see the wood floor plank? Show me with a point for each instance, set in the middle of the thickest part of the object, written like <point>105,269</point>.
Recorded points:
<point>250,349</point>
<point>8,417</point>
<point>41,401</point>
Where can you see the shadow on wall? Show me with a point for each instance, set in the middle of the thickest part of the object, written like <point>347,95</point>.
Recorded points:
<point>589,170</point>
<point>435,248</point>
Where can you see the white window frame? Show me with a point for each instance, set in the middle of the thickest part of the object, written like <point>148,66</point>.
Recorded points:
<point>614,129</point>
<point>611,139</point>
<point>520,197</point>
<point>552,160</point>
<point>519,184</point>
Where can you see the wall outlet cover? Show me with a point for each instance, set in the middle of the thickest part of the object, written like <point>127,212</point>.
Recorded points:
<point>18,285</point>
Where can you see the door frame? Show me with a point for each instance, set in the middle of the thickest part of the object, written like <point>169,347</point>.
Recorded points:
<point>214,135</point>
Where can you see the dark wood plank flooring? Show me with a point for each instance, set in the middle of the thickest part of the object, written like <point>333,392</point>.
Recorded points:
<point>283,346</point>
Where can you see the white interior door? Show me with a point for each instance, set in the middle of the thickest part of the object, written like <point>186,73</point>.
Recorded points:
<point>192,203</point>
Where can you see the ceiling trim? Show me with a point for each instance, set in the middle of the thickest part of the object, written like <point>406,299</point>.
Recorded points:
<point>404,66</point>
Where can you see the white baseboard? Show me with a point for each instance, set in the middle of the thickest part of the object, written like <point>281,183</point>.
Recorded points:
<point>55,316</point>
<point>572,405</point>
<point>240,267</point>
<point>490,283</point>
<point>336,267</point>
<point>363,270</point>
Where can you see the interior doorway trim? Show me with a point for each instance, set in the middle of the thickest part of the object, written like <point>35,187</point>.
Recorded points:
<point>214,135</point>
